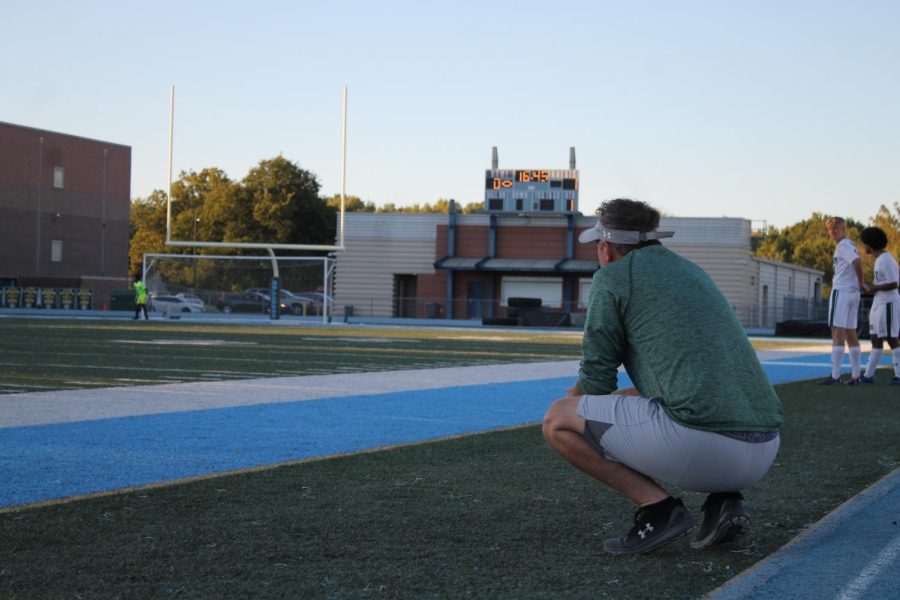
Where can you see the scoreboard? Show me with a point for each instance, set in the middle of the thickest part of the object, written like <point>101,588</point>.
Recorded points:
<point>531,190</point>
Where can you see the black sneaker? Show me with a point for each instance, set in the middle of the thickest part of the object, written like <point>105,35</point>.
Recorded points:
<point>857,381</point>
<point>830,381</point>
<point>725,515</point>
<point>654,526</point>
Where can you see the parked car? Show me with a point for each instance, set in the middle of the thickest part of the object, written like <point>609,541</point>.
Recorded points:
<point>244,302</point>
<point>294,304</point>
<point>318,300</point>
<point>290,303</point>
<point>192,299</point>
<point>170,304</point>
<point>264,292</point>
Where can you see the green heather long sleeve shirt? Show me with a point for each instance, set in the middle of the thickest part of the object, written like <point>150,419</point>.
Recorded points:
<point>664,319</point>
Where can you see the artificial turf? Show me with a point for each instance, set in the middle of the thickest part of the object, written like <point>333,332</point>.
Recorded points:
<point>495,515</point>
<point>49,354</point>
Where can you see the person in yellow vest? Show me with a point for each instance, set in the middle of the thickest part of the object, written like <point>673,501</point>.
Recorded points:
<point>140,297</point>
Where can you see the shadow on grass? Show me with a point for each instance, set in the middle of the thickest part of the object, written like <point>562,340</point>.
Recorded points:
<point>495,515</point>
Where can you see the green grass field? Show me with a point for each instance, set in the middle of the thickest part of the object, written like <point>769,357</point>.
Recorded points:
<point>66,354</point>
<point>495,515</point>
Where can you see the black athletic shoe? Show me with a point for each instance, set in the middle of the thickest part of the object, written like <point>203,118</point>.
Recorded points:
<point>830,381</point>
<point>857,381</point>
<point>654,526</point>
<point>725,515</point>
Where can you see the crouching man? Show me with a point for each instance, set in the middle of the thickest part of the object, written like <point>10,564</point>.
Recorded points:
<point>702,415</point>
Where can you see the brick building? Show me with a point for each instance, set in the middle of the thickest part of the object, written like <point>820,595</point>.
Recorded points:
<point>64,212</point>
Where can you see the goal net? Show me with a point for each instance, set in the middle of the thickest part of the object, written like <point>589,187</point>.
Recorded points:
<point>239,284</point>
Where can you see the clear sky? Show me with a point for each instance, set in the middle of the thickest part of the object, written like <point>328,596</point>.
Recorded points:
<point>766,110</point>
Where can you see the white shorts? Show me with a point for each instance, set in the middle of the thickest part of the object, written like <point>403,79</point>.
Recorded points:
<point>639,433</point>
<point>884,319</point>
<point>843,309</point>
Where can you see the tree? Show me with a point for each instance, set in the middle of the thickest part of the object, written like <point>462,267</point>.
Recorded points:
<point>286,206</point>
<point>807,244</point>
<point>351,204</point>
<point>148,229</point>
<point>276,202</point>
<point>442,205</point>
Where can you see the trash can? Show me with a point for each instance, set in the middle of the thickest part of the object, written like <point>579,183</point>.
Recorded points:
<point>121,300</point>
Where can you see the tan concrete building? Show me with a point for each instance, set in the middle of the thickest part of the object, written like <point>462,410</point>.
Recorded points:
<point>469,266</point>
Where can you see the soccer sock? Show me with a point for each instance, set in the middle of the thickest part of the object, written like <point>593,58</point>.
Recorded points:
<point>872,364</point>
<point>837,357</point>
<point>854,362</point>
<point>895,356</point>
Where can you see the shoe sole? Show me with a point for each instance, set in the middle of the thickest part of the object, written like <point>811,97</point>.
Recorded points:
<point>724,533</point>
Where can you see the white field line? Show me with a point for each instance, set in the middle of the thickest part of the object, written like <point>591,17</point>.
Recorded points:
<point>65,406</point>
<point>856,588</point>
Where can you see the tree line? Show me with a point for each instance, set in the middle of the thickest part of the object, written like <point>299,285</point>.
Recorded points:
<point>807,243</point>
<point>279,201</point>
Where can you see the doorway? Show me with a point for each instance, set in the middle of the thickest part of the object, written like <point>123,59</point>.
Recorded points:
<point>405,295</point>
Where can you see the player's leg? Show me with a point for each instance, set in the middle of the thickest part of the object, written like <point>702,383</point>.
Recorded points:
<point>564,430</point>
<point>892,326</point>
<point>851,318</point>
<point>838,338</point>
<point>874,358</point>
<point>659,519</point>
<point>877,334</point>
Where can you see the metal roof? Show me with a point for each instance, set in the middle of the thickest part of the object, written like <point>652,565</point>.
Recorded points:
<point>532,265</point>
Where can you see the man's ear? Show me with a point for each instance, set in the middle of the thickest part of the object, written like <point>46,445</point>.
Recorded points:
<point>608,253</point>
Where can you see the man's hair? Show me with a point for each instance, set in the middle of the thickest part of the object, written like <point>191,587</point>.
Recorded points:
<point>874,237</point>
<point>832,221</point>
<point>629,215</point>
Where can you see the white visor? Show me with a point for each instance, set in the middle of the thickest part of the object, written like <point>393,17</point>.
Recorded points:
<point>620,236</point>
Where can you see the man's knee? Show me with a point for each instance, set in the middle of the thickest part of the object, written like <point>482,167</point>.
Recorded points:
<point>550,420</point>
<point>558,417</point>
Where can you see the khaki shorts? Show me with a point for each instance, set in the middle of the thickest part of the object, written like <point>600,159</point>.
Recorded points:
<point>638,433</point>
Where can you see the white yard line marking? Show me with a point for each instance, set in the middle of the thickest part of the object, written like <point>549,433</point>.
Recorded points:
<point>65,406</point>
<point>856,588</point>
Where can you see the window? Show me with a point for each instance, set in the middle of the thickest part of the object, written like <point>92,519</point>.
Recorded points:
<point>58,177</point>
<point>548,289</point>
<point>56,251</point>
<point>547,204</point>
<point>584,291</point>
<point>495,204</point>
<point>519,203</point>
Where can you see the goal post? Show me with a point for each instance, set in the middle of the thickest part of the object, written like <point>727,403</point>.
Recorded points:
<point>241,284</point>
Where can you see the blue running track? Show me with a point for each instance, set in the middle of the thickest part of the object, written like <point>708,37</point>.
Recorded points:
<point>47,462</point>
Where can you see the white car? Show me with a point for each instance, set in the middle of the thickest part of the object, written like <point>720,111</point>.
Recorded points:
<point>192,299</point>
<point>174,304</point>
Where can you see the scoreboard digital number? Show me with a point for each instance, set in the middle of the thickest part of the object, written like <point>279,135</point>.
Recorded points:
<point>530,176</point>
